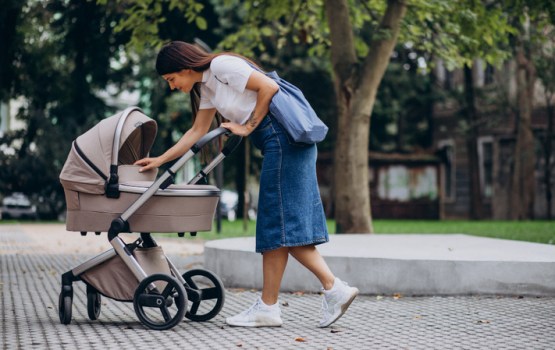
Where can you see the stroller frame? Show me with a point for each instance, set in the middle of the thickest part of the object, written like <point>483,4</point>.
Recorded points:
<point>158,290</point>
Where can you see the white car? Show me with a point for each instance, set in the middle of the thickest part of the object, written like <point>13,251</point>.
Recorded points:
<point>18,206</point>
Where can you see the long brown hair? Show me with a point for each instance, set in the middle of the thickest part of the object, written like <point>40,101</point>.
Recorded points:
<point>178,55</point>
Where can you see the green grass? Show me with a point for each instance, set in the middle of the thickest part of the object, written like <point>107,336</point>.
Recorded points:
<point>539,231</point>
<point>530,231</point>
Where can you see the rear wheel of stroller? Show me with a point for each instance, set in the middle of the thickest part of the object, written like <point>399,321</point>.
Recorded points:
<point>93,303</point>
<point>162,307</point>
<point>64,308</point>
<point>206,294</point>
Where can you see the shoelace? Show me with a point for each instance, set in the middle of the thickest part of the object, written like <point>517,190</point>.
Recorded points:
<point>324,304</point>
<point>255,307</point>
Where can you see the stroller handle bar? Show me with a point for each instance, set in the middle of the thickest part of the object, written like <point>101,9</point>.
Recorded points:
<point>209,137</point>
<point>121,225</point>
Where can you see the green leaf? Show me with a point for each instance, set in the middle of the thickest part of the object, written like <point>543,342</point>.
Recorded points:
<point>266,31</point>
<point>201,23</point>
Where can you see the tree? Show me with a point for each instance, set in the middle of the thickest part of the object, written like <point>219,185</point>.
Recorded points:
<point>62,54</point>
<point>530,18</point>
<point>356,85</point>
<point>360,37</point>
<point>545,66</point>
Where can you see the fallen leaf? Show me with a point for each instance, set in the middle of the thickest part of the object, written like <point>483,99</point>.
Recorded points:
<point>300,339</point>
<point>417,317</point>
<point>285,303</point>
<point>335,330</point>
<point>239,344</point>
<point>397,296</point>
<point>483,321</point>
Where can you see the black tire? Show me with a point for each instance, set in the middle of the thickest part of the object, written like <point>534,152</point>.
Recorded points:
<point>212,294</point>
<point>93,303</point>
<point>64,308</point>
<point>160,310</point>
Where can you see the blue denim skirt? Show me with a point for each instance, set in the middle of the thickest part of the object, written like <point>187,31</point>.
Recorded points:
<point>290,211</point>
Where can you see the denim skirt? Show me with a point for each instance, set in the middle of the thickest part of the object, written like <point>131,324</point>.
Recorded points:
<point>290,211</point>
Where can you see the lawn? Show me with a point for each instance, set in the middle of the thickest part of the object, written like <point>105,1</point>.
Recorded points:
<point>539,231</point>
<point>531,231</point>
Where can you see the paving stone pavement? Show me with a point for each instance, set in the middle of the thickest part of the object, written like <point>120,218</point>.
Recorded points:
<point>30,284</point>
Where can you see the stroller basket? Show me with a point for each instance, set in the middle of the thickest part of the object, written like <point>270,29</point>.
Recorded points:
<point>111,278</point>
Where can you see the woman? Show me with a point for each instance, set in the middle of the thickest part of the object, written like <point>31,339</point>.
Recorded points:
<point>290,214</point>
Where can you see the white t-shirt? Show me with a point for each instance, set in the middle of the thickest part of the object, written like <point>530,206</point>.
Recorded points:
<point>223,87</point>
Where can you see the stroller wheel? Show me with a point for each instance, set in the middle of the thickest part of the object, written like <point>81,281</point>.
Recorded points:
<point>162,307</point>
<point>93,303</point>
<point>64,308</point>
<point>206,293</point>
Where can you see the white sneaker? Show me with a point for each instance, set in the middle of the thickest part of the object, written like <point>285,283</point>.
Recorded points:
<point>336,301</point>
<point>258,315</point>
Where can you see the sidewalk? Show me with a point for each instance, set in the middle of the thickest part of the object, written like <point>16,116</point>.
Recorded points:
<point>32,257</point>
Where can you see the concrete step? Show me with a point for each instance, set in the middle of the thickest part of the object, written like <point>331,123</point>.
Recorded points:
<point>409,264</point>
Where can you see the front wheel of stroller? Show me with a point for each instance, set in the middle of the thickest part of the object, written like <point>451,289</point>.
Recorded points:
<point>160,302</point>
<point>64,308</point>
<point>93,303</point>
<point>206,293</point>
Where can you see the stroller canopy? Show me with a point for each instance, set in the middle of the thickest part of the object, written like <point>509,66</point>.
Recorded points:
<point>95,155</point>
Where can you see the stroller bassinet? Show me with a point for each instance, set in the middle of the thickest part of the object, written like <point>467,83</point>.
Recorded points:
<point>106,193</point>
<point>100,182</point>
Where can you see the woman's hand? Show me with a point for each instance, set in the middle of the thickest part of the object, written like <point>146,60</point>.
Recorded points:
<point>237,129</point>
<point>149,163</point>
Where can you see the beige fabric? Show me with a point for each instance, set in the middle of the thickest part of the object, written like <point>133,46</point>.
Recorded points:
<point>114,279</point>
<point>94,213</point>
<point>129,173</point>
<point>137,137</point>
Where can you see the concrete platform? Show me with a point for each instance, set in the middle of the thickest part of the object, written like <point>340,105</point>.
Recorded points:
<point>408,264</point>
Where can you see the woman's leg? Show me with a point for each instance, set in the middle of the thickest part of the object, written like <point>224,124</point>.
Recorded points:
<point>273,266</point>
<point>310,258</point>
<point>265,312</point>
<point>337,294</point>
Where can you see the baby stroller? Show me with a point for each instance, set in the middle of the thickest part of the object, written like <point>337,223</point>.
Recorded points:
<point>105,192</point>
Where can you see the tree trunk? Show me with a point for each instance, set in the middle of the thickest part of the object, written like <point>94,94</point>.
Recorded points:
<point>548,151</point>
<point>356,86</point>
<point>523,179</point>
<point>475,203</point>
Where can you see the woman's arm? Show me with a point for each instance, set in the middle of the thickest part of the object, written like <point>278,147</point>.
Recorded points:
<point>265,88</point>
<point>200,128</point>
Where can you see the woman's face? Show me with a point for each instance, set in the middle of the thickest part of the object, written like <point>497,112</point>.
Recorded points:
<point>182,80</point>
